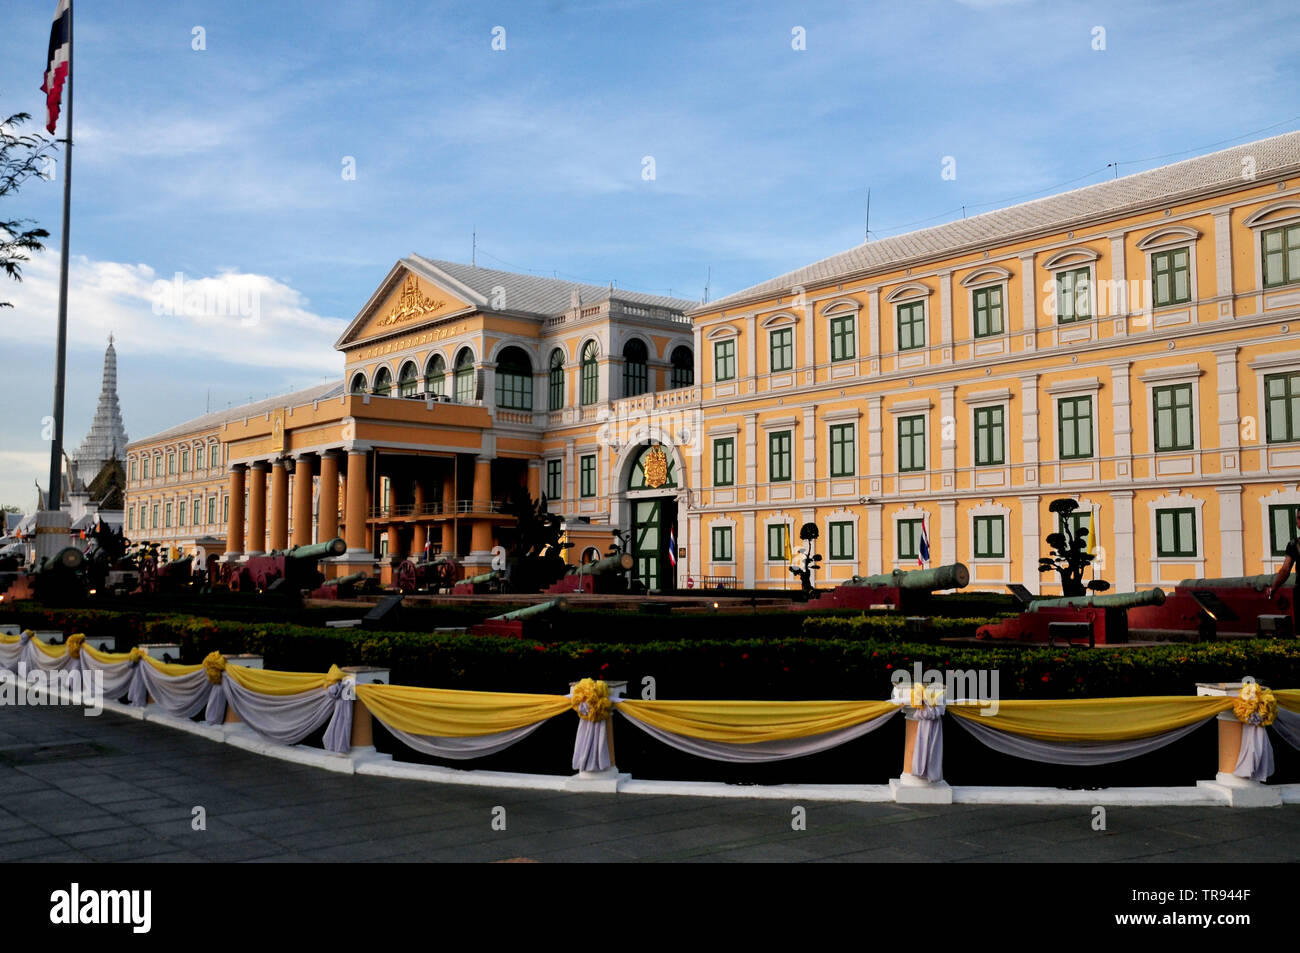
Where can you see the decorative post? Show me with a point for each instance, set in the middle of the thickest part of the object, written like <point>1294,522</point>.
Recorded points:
<point>1245,754</point>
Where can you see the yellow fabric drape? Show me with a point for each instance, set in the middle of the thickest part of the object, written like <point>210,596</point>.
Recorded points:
<point>9,639</point>
<point>1288,698</point>
<point>747,722</point>
<point>53,651</point>
<point>446,713</point>
<point>105,658</point>
<point>1096,719</point>
<point>171,669</point>
<point>269,682</point>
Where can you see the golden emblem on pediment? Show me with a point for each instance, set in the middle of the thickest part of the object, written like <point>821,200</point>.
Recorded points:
<point>656,468</point>
<point>412,303</point>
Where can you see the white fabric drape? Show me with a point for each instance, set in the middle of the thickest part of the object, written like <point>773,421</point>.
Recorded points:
<point>1288,726</point>
<point>1071,752</point>
<point>462,749</point>
<point>927,753</point>
<point>286,719</point>
<point>591,747</point>
<point>117,675</point>
<point>10,654</point>
<point>760,750</point>
<point>1255,759</point>
<point>181,695</point>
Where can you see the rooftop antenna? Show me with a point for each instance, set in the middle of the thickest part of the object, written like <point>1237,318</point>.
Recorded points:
<point>707,281</point>
<point>867,233</point>
<point>473,253</point>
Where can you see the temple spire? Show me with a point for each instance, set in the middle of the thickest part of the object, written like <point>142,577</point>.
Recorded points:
<point>106,439</point>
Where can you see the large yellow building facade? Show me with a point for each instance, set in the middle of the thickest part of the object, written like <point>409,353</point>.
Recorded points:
<point>1128,345</point>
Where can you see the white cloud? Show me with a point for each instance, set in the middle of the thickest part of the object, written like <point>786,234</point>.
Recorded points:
<point>233,317</point>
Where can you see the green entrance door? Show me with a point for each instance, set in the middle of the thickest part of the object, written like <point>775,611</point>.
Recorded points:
<point>652,523</point>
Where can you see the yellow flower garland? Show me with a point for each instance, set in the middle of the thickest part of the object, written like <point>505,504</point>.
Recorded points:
<point>136,654</point>
<point>1255,705</point>
<point>215,665</point>
<point>595,696</point>
<point>74,644</point>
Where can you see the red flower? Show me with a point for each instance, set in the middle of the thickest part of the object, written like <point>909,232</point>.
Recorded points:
<point>889,666</point>
<point>1046,677</point>
<point>744,655</point>
<point>605,666</point>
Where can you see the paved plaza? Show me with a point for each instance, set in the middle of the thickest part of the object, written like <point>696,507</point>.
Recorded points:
<point>113,788</point>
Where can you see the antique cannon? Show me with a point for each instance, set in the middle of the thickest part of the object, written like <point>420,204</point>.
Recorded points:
<point>167,577</point>
<point>290,571</point>
<point>899,589</point>
<point>477,585</point>
<point>512,623</point>
<point>603,576</point>
<point>344,587</point>
<point>55,580</point>
<point>1236,604</point>
<point>413,575</point>
<point>1099,619</point>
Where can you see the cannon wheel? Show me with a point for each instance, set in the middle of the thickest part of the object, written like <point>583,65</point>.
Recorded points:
<point>149,575</point>
<point>406,576</point>
<point>239,580</point>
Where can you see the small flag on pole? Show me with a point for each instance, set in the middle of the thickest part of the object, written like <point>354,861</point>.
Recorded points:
<point>1092,534</point>
<point>56,65</point>
<point>789,553</point>
<point>672,547</point>
<point>923,552</point>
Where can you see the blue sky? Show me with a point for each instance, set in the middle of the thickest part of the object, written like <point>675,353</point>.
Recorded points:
<point>225,164</point>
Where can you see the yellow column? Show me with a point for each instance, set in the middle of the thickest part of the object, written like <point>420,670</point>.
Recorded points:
<point>481,534</point>
<point>448,510</point>
<point>419,531</point>
<point>302,487</point>
<point>356,501</point>
<point>328,520</point>
<point>256,509</point>
<point>279,505</point>
<point>235,527</point>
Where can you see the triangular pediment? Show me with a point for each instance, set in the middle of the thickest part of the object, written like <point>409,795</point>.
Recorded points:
<point>407,299</point>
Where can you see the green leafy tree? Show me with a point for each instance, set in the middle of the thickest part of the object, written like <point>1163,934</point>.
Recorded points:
<point>21,157</point>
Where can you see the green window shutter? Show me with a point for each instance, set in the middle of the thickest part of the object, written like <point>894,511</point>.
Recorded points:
<point>778,457</point>
<point>722,551</point>
<point>1075,428</point>
<point>588,475</point>
<point>986,303</point>
<point>1281,524</point>
<point>911,325</point>
<point>911,444</point>
<point>724,360</point>
<point>841,540</point>
<point>990,436</point>
<point>781,343</point>
<point>1176,532</point>
<point>1073,295</point>
<point>843,347</point>
<point>724,461</point>
<point>843,453</point>
<point>990,537</point>
<point>1173,417</point>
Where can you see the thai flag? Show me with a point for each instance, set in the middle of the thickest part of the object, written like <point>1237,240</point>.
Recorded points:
<point>58,62</point>
<point>672,547</point>
<point>923,554</point>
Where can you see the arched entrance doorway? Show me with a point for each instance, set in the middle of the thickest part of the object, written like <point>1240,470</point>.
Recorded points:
<point>652,488</point>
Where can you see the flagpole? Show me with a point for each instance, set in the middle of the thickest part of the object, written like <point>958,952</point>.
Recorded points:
<point>60,360</point>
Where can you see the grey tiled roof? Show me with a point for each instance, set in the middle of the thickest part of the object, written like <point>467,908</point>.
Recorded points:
<point>534,294</point>
<point>1170,182</point>
<point>218,417</point>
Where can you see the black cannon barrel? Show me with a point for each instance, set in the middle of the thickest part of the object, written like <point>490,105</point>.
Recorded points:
<point>315,551</point>
<point>953,576</point>
<point>1109,600</point>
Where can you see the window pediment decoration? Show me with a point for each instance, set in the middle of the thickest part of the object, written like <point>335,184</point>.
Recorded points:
<point>726,331</point>
<point>841,306</point>
<point>1273,213</point>
<point>913,289</point>
<point>1071,257</point>
<point>778,320</point>
<point>990,274</point>
<point>1172,235</point>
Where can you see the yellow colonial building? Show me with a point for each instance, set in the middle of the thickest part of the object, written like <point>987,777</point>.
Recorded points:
<point>1128,345</point>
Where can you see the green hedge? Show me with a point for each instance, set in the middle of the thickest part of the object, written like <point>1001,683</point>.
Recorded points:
<point>797,667</point>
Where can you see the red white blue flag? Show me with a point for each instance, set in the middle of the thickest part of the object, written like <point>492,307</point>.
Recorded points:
<point>923,553</point>
<point>58,63</point>
<point>672,547</point>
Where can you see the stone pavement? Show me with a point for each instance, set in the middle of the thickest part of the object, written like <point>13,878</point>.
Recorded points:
<point>113,788</point>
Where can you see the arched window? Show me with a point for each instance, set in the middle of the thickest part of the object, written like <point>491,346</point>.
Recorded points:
<point>556,382</point>
<point>408,381</point>
<point>358,384</point>
<point>635,372</point>
<point>464,376</point>
<point>590,372</point>
<point>383,382</point>
<point>514,380</point>
<point>683,367</point>
<point>435,376</point>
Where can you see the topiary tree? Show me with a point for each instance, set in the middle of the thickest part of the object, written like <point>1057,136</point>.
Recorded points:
<point>1069,556</point>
